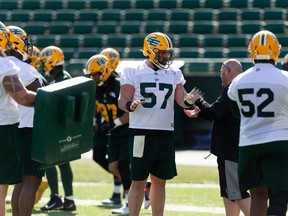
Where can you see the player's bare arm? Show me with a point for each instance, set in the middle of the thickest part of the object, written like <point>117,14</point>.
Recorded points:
<point>125,100</point>
<point>17,91</point>
<point>34,85</point>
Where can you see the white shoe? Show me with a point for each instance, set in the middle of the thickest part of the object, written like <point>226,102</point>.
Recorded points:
<point>124,210</point>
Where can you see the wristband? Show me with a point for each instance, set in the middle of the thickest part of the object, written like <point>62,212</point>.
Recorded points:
<point>117,122</point>
<point>187,103</point>
<point>127,105</point>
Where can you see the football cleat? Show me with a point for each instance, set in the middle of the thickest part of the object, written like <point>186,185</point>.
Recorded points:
<point>124,210</point>
<point>114,200</point>
<point>55,203</point>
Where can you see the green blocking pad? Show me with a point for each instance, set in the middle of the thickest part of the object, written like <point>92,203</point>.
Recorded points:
<point>63,121</point>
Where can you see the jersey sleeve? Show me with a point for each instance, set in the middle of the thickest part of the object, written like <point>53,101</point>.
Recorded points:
<point>127,76</point>
<point>179,77</point>
<point>232,90</point>
<point>7,67</point>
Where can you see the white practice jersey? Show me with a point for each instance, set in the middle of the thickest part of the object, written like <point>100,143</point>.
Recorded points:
<point>261,94</point>
<point>157,88</point>
<point>8,107</point>
<point>28,74</point>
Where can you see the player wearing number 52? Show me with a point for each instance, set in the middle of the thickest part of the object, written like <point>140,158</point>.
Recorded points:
<point>147,92</point>
<point>260,97</point>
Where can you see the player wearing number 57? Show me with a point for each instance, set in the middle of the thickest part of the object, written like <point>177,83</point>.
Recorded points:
<point>260,97</point>
<point>147,92</point>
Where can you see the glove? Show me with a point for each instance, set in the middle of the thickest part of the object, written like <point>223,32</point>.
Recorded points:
<point>106,127</point>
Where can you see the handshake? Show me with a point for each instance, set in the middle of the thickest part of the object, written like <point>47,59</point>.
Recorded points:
<point>190,98</point>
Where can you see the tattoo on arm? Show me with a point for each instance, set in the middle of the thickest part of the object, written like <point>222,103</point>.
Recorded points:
<point>12,83</point>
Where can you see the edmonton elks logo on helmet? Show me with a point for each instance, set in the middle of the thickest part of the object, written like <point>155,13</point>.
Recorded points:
<point>153,41</point>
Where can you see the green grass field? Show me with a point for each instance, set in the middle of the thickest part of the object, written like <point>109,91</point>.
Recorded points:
<point>194,191</point>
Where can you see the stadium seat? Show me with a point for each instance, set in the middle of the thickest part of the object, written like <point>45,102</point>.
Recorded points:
<point>203,27</point>
<point>276,26</point>
<point>190,4</point>
<point>59,27</point>
<point>53,4</point>
<point>134,14</point>
<point>261,3</point>
<point>282,38</point>
<point>130,27</point>
<point>238,52</point>
<point>68,52</point>
<point>198,67</point>
<point>228,14</point>
<point>188,52</point>
<point>99,4</point>
<point>36,27</point>
<point>168,4</point>
<point>111,15</point>
<point>9,4</point>
<point>214,52</point>
<point>83,27</point>
<point>88,15</point>
<point>20,15</point>
<point>180,27</point>
<point>238,4</point>
<point>281,4</point>
<point>31,4</point>
<point>133,52</point>
<point>75,4</point>
<point>43,15</point>
<point>107,27</point>
<point>65,15</point>
<point>154,26</point>
<point>4,15</point>
<point>251,14</point>
<point>188,40</point>
<point>147,4</point>
<point>91,40</point>
<point>46,40</point>
<point>75,68</point>
<point>228,27</point>
<point>237,40</point>
<point>87,52</point>
<point>214,4</point>
<point>135,40</point>
<point>181,14</point>
<point>211,40</point>
<point>121,4</point>
<point>116,40</point>
<point>203,14</point>
<point>274,14</point>
<point>157,14</point>
<point>69,40</point>
<point>246,65</point>
<point>251,26</point>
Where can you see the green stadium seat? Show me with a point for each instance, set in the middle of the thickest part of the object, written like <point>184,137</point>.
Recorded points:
<point>75,68</point>
<point>107,27</point>
<point>116,40</point>
<point>188,52</point>
<point>135,40</point>
<point>99,4</point>
<point>3,15</point>
<point>168,4</point>
<point>154,26</point>
<point>87,52</point>
<point>88,15</point>
<point>276,26</point>
<point>83,27</point>
<point>147,4</point>
<point>20,15</point>
<point>75,4</point>
<point>59,27</point>
<point>130,27</point>
<point>157,14</point>
<point>198,67</point>
<point>68,52</point>
<point>9,4</point>
<point>212,40</point>
<point>281,4</point>
<point>190,4</point>
<point>65,15</point>
<point>238,4</point>
<point>203,14</point>
<point>179,27</point>
<point>214,4</point>
<point>214,52</point>
<point>43,15</point>
<point>134,14</point>
<point>237,40</point>
<point>188,40</point>
<point>246,65</point>
<point>133,53</point>
<point>111,15</point>
<point>251,26</point>
<point>228,27</point>
<point>36,27</point>
<point>238,52</point>
<point>181,14</point>
<point>53,4</point>
<point>91,40</point>
<point>46,40</point>
<point>274,14</point>
<point>228,14</point>
<point>282,38</point>
<point>121,4</point>
<point>251,14</point>
<point>69,40</point>
<point>262,3</point>
<point>203,27</point>
<point>31,4</point>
